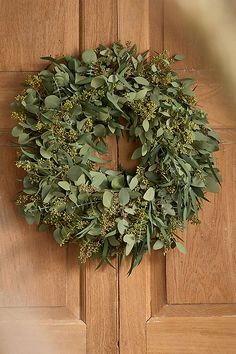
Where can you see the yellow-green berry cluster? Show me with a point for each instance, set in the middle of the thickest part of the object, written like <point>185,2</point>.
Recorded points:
<point>87,249</point>
<point>34,81</point>
<point>19,117</point>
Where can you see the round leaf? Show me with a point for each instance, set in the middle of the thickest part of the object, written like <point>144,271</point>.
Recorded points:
<point>74,173</point>
<point>97,82</point>
<point>52,101</point>
<point>100,130</point>
<point>89,56</point>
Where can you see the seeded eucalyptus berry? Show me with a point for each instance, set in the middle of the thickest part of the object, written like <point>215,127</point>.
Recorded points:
<point>64,115</point>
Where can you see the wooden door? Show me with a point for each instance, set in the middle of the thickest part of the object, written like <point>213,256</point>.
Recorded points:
<point>185,303</point>
<point>48,304</point>
<point>178,304</point>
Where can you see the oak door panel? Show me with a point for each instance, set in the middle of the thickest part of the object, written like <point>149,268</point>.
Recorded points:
<point>185,303</point>
<point>49,304</point>
<point>32,29</point>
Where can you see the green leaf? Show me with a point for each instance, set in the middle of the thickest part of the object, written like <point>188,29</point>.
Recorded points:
<point>62,78</point>
<point>52,101</point>
<point>64,185</point>
<point>136,154</point>
<point>149,194</point>
<point>80,180</point>
<point>89,56</point>
<point>212,185</point>
<point>74,173</point>
<point>57,236</point>
<point>181,247</point>
<point>197,182</point>
<point>144,149</point>
<point>124,196</point>
<point>98,178</point>
<point>145,125</point>
<point>114,100</point>
<point>168,209</point>
<point>113,78</point>
<point>130,211</point>
<point>95,231</point>
<point>179,57</point>
<point>141,80</point>
<point>99,130</point>
<point>107,199</point>
<point>159,132</point>
<point>133,183</point>
<point>141,94</point>
<point>30,219</point>
<point>16,131</point>
<point>214,135</point>
<point>79,79</point>
<point>158,245</point>
<point>73,198</point>
<point>97,81</point>
<point>23,138</point>
<point>129,239</point>
<point>45,153</point>
<point>118,182</point>
<point>122,226</point>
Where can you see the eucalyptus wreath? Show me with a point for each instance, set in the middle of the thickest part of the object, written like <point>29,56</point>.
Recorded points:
<point>64,115</point>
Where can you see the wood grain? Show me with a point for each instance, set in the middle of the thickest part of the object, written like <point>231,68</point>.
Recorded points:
<point>98,22</point>
<point>99,307</point>
<point>133,22</point>
<point>41,330</point>
<point>206,274</point>
<point>33,267</point>
<point>198,310</point>
<point>73,281</point>
<point>32,29</point>
<point>191,335</point>
<point>181,37</point>
<point>135,307</point>
<point>158,282</point>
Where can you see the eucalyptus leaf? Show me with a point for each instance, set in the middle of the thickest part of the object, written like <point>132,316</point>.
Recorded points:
<point>149,194</point>
<point>158,245</point>
<point>52,101</point>
<point>64,120</point>
<point>124,196</point>
<point>97,82</point>
<point>141,81</point>
<point>181,247</point>
<point>100,130</point>
<point>64,185</point>
<point>74,173</point>
<point>107,199</point>
<point>89,56</point>
<point>145,125</point>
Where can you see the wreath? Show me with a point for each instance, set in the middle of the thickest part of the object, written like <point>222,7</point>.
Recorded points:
<point>64,115</point>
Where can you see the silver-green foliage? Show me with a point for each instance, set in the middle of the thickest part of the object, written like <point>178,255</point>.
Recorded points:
<point>63,117</point>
